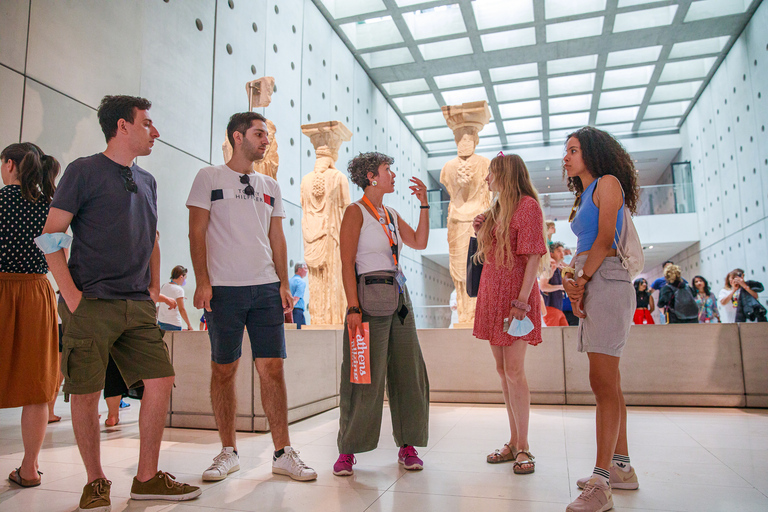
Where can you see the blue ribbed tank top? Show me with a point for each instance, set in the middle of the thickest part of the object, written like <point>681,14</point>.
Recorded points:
<point>585,222</point>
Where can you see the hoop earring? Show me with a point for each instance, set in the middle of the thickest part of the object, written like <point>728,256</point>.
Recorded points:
<point>374,183</point>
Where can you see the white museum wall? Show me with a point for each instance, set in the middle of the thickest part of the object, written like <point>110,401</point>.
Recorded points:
<point>52,83</point>
<point>725,139</point>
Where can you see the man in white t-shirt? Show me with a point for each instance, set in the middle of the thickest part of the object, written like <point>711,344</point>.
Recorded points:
<point>241,267</point>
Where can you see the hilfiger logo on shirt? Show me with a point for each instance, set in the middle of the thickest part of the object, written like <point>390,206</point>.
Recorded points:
<point>230,193</point>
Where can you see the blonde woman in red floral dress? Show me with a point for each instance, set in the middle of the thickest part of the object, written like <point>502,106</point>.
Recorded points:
<point>512,246</point>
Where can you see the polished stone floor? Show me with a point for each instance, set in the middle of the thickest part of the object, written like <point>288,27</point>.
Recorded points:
<point>692,459</point>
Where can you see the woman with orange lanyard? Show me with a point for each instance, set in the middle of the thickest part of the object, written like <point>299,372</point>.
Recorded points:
<point>371,240</point>
<point>603,177</point>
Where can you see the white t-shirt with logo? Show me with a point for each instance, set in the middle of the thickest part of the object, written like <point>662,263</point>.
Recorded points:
<point>237,242</point>
<point>166,314</point>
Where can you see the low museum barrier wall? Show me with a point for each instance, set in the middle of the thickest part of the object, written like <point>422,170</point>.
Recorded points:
<point>720,365</point>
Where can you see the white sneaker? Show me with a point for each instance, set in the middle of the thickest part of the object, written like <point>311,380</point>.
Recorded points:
<point>223,464</point>
<point>291,465</point>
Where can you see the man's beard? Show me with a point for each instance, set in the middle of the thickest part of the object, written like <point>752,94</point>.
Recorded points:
<point>251,152</point>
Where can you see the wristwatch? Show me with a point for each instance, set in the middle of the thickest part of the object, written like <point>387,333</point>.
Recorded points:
<point>354,309</point>
<point>583,275</point>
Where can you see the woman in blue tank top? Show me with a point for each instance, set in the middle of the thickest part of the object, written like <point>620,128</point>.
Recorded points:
<point>601,174</point>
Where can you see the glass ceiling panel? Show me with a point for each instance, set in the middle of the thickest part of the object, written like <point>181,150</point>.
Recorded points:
<point>370,34</point>
<point>617,115</point>
<point>489,129</point>
<point>436,134</point>
<point>571,83</point>
<point>569,120</point>
<point>615,78</point>
<point>419,121</point>
<point>406,86</point>
<point>523,125</point>
<point>562,8</point>
<point>441,146</point>
<point>517,91</point>
<point>700,47</point>
<point>687,69</point>
<point>616,128</point>
<point>490,141</point>
<point>636,20</point>
<point>514,72</point>
<point>622,98</point>
<point>439,21</point>
<point>499,13</point>
<point>525,137</point>
<point>344,8</point>
<point>570,103</point>
<point>420,103</point>
<point>442,49</point>
<point>555,67</point>
<point>520,109</point>
<point>659,124</point>
<point>387,57</point>
<point>705,9</point>
<point>465,95</point>
<point>559,136</point>
<point>509,39</point>
<point>635,56</point>
<point>574,29</point>
<point>671,92</point>
<point>458,79</point>
<point>632,3</point>
<point>676,108</point>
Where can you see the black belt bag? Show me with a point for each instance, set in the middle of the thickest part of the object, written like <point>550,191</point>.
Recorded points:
<point>378,292</point>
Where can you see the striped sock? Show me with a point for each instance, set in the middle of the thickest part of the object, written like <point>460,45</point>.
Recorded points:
<point>621,462</point>
<point>602,475</point>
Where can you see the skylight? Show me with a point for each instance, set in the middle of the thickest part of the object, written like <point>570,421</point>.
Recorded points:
<point>517,91</point>
<point>627,77</point>
<point>521,138</point>
<point>346,8</point>
<point>435,22</point>
<point>659,124</point>
<point>369,35</point>
<point>493,13</point>
<point>574,29</point>
<point>458,79</point>
<point>637,20</point>
<point>700,47</point>
<point>563,8</point>
<point>632,3</point>
<point>570,103</point>
<point>617,115</point>
<point>634,56</point>
<point>571,84</point>
<point>569,120</point>
<point>687,69</point>
<point>622,98</point>
<point>419,103</point>
<point>704,9</point>
<point>387,57</point>
<point>430,120</point>
<point>671,92</point>
<point>406,86</point>
<point>657,110</point>
<point>522,125</point>
<point>555,67</point>
<point>508,39</point>
<point>436,134</point>
<point>443,49</point>
<point>441,146</point>
<point>616,128</point>
<point>465,96</point>
<point>520,109</point>
<point>514,72</point>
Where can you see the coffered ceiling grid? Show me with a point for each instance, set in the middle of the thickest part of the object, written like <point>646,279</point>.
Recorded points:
<point>546,67</point>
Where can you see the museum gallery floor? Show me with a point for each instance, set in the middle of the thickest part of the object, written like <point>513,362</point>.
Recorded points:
<point>688,459</point>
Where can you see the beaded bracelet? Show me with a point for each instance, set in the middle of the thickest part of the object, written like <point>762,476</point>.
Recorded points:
<point>521,305</point>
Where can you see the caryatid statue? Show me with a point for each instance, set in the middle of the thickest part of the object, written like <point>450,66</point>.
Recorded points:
<point>464,177</point>
<point>324,196</point>
<point>259,93</point>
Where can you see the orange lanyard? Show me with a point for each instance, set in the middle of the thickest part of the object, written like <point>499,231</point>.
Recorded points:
<point>392,244</point>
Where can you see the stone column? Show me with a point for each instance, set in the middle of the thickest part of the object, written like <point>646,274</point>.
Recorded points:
<point>464,178</point>
<point>324,196</point>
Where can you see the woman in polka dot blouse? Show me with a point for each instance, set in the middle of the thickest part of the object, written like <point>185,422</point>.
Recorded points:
<point>29,351</point>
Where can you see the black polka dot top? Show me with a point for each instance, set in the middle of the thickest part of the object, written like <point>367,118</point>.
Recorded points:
<point>20,223</point>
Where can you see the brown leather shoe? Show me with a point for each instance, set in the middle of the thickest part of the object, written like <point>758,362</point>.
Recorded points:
<point>95,496</point>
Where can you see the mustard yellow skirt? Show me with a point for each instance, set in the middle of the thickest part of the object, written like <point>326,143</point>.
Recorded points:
<point>29,340</point>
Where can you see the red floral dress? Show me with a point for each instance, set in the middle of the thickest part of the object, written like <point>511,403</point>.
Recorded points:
<point>500,285</point>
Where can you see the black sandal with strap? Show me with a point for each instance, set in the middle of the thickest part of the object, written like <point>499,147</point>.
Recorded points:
<point>16,478</point>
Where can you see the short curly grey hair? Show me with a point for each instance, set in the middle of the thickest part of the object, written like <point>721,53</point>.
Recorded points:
<point>362,164</point>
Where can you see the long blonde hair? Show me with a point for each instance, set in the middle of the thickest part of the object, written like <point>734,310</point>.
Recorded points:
<point>511,178</point>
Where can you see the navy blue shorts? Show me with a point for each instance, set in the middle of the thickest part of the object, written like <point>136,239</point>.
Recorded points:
<point>257,308</point>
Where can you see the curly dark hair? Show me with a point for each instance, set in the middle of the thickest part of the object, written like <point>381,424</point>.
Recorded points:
<point>603,154</point>
<point>114,108</point>
<point>362,164</point>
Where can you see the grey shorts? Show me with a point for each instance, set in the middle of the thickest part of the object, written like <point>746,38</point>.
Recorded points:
<point>609,303</point>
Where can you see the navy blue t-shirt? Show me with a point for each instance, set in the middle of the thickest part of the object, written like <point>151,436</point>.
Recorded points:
<point>114,229</point>
<point>555,299</point>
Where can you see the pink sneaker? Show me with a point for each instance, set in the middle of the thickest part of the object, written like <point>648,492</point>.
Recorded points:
<point>408,458</point>
<point>343,466</point>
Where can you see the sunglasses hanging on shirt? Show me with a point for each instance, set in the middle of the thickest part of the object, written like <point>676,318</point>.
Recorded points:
<point>245,180</point>
<point>127,175</point>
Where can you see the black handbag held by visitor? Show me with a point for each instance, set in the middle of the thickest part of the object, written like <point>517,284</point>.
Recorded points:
<point>474,270</point>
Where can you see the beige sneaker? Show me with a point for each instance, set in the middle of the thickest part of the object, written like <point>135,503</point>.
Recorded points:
<point>163,486</point>
<point>595,498</point>
<point>95,497</point>
<point>619,479</point>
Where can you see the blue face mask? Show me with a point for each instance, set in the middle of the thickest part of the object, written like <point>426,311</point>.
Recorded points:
<point>568,258</point>
<point>184,282</point>
<point>52,242</point>
<point>520,327</point>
